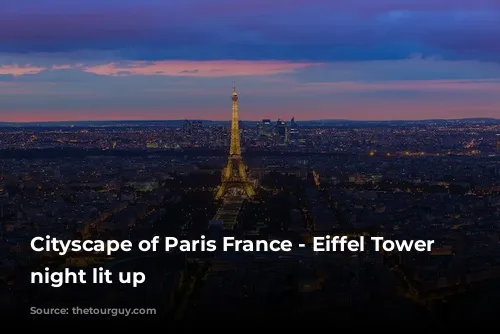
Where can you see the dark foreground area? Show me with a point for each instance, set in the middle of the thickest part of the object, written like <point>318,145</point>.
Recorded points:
<point>478,307</point>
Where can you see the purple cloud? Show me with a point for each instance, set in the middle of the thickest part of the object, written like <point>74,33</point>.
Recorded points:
<point>316,30</point>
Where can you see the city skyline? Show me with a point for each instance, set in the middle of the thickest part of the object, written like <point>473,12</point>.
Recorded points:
<point>322,122</point>
<point>313,60</point>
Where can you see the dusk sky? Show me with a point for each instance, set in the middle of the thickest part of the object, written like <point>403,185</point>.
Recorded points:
<point>312,59</point>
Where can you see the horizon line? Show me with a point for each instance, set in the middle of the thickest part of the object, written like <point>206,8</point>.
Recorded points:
<point>209,120</point>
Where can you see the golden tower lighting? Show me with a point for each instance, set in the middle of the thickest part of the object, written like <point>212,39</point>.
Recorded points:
<point>234,174</point>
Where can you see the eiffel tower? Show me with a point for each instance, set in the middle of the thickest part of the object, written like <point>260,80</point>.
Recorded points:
<point>234,174</point>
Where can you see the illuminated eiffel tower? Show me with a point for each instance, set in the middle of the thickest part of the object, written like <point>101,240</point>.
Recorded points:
<point>234,174</point>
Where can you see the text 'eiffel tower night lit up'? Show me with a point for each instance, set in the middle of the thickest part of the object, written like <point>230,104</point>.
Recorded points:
<point>234,174</point>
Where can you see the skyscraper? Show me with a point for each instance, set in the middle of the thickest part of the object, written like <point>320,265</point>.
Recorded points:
<point>294,129</point>
<point>265,128</point>
<point>282,132</point>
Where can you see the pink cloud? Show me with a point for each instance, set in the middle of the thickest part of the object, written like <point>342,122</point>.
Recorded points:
<point>17,70</point>
<point>61,67</point>
<point>216,68</point>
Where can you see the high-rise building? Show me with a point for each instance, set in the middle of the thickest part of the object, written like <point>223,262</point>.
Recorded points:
<point>498,143</point>
<point>294,129</point>
<point>282,132</point>
<point>265,128</point>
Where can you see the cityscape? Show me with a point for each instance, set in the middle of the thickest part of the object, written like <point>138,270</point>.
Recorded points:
<point>265,122</point>
<point>434,180</point>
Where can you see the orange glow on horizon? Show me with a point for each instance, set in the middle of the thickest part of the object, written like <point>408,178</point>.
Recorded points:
<point>365,111</point>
